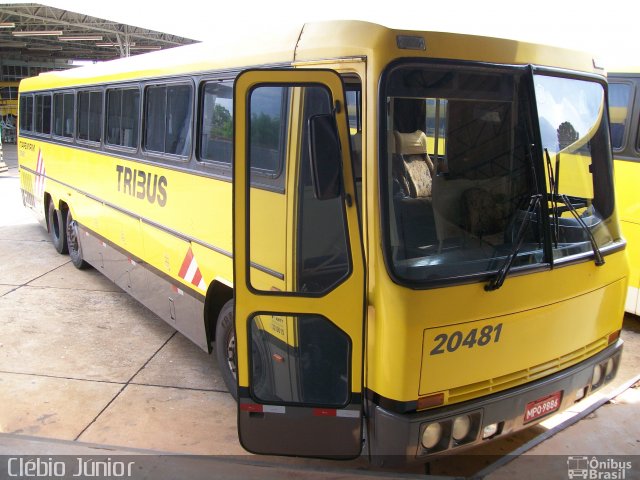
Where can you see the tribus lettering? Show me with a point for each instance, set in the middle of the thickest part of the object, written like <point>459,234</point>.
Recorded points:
<point>140,184</point>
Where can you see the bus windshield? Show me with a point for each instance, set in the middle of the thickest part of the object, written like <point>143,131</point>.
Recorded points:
<point>575,139</point>
<point>462,175</point>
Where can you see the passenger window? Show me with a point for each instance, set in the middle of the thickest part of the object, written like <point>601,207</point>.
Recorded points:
<point>63,114</point>
<point>168,119</point>
<point>89,122</point>
<point>26,113</point>
<point>123,105</point>
<point>216,130</point>
<point>43,114</point>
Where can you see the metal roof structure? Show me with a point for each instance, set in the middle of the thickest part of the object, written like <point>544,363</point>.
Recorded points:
<point>31,32</point>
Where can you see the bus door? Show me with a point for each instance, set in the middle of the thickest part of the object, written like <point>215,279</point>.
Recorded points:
<point>299,350</point>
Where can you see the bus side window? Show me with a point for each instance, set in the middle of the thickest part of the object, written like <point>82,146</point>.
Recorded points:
<point>26,113</point>
<point>167,119</point>
<point>216,129</point>
<point>619,97</point>
<point>43,114</point>
<point>123,105</point>
<point>63,114</point>
<point>89,117</point>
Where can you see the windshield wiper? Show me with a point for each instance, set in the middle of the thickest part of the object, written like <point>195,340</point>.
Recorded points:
<point>498,280</point>
<point>555,196</point>
<point>597,254</point>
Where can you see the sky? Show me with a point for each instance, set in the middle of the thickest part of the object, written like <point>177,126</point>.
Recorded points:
<point>607,29</point>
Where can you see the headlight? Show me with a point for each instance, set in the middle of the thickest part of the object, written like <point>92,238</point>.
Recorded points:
<point>490,430</point>
<point>609,368</point>
<point>461,427</point>
<point>597,375</point>
<point>431,435</point>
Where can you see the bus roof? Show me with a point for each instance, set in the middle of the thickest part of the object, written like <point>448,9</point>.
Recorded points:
<point>310,42</point>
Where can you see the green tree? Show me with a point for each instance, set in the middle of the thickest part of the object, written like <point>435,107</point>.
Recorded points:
<point>221,122</point>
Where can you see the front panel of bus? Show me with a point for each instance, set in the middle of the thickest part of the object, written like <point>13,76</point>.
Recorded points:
<point>497,300</point>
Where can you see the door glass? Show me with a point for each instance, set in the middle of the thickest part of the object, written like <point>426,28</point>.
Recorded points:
<point>318,248</point>
<point>300,359</point>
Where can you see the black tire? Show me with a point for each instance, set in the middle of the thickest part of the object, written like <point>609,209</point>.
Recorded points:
<point>226,348</point>
<point>227,357</point>
<point>57,234</point>
<point>73,243</point>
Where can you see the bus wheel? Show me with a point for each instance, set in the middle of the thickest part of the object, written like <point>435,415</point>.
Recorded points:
<point>73,243</point>
<point>56,228</point>
<point>226,348</point>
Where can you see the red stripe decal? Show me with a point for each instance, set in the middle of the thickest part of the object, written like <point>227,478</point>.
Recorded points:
<point>186,263</point>
<point>324,412</point>
<point>196,278</point>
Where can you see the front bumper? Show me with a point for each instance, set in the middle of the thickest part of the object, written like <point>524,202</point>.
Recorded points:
<point>397,438</point>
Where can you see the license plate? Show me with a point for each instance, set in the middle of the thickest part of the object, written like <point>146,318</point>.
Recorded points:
<point>542,407</point>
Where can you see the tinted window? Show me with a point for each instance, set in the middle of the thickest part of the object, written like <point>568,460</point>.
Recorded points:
<point>619,96</point>
<point>63,114</point>
<point>168,113</point>
<point>42,122</point>
<point>216,130</point>
<point>90,116</point>
<point>123,106</point>
<point>26,113</point>
<point>268,125</point>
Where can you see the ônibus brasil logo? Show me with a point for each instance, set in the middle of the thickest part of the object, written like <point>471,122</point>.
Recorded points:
<point>595,468</point>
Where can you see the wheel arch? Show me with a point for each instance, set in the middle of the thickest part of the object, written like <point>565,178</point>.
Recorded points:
<point>218,294</point>
<point>59,205</point>
<point>45,204</point>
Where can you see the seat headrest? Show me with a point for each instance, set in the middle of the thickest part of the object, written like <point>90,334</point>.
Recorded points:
<point>411,143</point>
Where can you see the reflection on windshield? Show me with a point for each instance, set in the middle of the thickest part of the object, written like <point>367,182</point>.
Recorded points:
<point>573,132</point>
<point>461,170</point>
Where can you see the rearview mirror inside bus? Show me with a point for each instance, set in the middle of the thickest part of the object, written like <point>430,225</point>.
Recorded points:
<point>325,156</point>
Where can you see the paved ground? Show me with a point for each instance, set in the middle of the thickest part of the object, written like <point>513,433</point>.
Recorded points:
<point>82,365</point>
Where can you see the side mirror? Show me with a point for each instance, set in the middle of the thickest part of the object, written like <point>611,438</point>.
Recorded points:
<point>325,156</point>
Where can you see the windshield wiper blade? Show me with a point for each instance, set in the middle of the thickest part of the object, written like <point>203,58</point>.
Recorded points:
<point>597,254</point>
<point>497,281</point>
<point>555,196</point>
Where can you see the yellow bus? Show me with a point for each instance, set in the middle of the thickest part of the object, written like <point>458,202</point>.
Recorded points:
<point>8,111</point>
<point>400,243</point>
<point>624,107</point>
<point>9,98</point>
